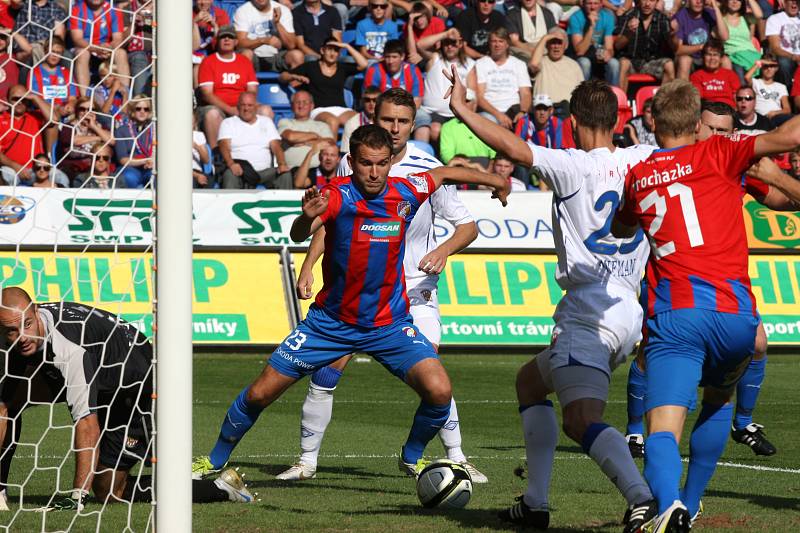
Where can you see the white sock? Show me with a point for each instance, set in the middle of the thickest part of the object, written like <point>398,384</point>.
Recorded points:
<point>450,434</point>
<point>317,411</point>
<point>540,429</point>
<point>610,451</point>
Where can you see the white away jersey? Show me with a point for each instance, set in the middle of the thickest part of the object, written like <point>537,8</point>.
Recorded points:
<point>587,188</point>
<point>444,202</point>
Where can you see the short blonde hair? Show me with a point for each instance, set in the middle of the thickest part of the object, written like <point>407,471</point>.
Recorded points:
<point>676,108</point>
<point>138,99</point>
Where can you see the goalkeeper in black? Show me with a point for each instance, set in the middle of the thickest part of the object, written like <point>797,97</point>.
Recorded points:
<point>101,366</point>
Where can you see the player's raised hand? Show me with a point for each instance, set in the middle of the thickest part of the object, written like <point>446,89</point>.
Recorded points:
<point>314,203</point>
<point>501,189</point>
<point>458,92</point>
<point>765,170</point>
<point>305,282</point>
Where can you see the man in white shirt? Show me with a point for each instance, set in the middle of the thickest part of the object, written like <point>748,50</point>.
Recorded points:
<point>783,34</point>
<point>424,260</point>
<point>265,30</point>
<point>502,81</point>
<point>247,143</point>
<point>598,321</point>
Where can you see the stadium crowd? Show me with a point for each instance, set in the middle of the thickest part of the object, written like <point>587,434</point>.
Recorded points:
<point>280,86</point>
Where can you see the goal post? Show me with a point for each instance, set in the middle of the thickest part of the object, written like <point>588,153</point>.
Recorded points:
<point>173,260</point>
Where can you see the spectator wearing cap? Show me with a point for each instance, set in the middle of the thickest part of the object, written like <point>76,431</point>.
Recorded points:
<point>783,34</point>
<point>9,71</point>
<point>369,98</point>
<point>746,119</point>
<point>223,76</point>
<point>373,32</point>
<point>301,131</point>
<point>591,34</point>
<point>435,110</point>
<point>394,71</point>
<point>528,23</point>
<point>644,43</point>
<point>325,80</point>
<point>542,128</point>
<point>314,24</point>
<point>476,23</point>
<point>639,130</point>
<point>555,74</point>
<point>21,134</point>
<point>714,82</point>
<point>248,143</point>
<point>265,30</point>
<point>35,22</point>
<point>503,86</point>
<point>97,31</point>
<point>692,26</point>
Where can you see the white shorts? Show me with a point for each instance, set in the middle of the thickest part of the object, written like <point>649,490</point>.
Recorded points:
<point>596,327</point>
<point>334,110</point>
<point>424,309</point>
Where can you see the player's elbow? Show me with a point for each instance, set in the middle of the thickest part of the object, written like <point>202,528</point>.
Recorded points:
<point>622,231</point>
<point>470,232</point>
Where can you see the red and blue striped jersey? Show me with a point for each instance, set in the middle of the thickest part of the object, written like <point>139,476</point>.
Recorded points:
<point>97,28</point>
<point>689,202</point>
<point>409,77</point>
<point>54,85</point>
<point>362,268</point>
<point>556,134</point>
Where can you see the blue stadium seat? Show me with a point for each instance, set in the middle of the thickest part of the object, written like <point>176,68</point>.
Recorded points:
<point>269,77</point>
<point>273,94</point>
<point>425,147</point>
<point>349,99</point>
<point>349,36</point>
<point>230,6</point>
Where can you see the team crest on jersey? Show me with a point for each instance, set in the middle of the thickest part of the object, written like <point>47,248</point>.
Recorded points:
<point>403,209</point>
<point>409,331</point>
<point>130,442</point>
<point>419,181</point>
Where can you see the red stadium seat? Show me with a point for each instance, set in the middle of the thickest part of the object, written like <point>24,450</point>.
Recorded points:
<point>642,78</point>
<point>641,97</point>
<point>624,111</point>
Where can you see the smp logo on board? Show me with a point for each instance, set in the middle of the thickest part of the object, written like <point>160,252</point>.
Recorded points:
<point>377,230</point>
<point>266,221</point>
<point>14,208</point>
<point>778,228</point>
<point>106,221</point>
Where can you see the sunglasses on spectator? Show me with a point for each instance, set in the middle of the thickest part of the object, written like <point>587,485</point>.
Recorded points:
<point>370,99</point>
<point>83,109</point>
<point>39,168</point>
<point>745,98</point>
<point>15,99</point>
<point>103,157</point>
<point>449,42</point>
<point>769,65</point>
<point>487,1</point>
<point>378,6</point>
<point>142,108</point>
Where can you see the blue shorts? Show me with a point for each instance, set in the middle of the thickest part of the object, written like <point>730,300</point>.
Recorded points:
<point>687,348</point>
<point>320,339</point>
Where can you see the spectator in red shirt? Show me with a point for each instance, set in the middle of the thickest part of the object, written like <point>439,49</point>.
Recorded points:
<point>20,134</point>
<point>97,30</point>
<point>715,83</point>
<point>8,12</point>
<point>206,22</point>
<point>421,23</point>
<point>9,71</point>
<point>223,76</point>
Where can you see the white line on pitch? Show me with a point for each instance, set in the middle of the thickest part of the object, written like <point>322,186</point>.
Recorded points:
<point>459,401</point>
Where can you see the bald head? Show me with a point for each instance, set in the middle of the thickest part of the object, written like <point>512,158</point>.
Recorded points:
<point>20,325</point>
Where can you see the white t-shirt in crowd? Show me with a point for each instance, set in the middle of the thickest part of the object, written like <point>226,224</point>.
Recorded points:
<point>436,84</point>
<point>198,138</point>
<point>250,141</point>
<point>259,24</point>
<point>768,97</point>
<point>502,81</point>
<point>788,28</point>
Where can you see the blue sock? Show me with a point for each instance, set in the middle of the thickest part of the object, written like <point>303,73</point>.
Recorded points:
<point>240,418</point>
<point>326,377</point>
<point>706,445</point>
<point>637,385</point>
<point>428,420</point>
<point>591,434</point>
<point>747,391</point>
<point>662,468</point>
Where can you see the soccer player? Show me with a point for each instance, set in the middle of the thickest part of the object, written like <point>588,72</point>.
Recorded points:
<point>599,319</point>
<point>363,304</point>
<point>424,260</point>
<point>718,118</point>
<point>701,313</point>
<point>102,367</point>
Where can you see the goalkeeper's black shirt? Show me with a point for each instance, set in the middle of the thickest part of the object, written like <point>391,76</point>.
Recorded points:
<point>95,351</point>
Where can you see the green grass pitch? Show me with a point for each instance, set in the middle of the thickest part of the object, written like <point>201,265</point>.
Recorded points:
<point>359,488</point>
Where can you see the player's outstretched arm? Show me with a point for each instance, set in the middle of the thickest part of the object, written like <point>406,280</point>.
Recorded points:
<point>784,191</point>
<point>314,205</point>
<point>435,260</point>
<point>305,280</point>
<point>87,437</point>
<point>496,136</point>
<point>501,188</point>
<point>785,138</point>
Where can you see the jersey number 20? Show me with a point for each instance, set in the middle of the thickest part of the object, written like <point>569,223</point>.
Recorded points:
<point>690,220</point>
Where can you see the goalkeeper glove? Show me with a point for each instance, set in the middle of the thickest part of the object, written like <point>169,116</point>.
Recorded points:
<point>74,502</point>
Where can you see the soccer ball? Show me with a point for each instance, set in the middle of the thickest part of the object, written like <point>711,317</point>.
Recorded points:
<point>445,484</point>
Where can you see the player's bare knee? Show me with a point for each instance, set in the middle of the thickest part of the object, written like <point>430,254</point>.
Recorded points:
<point>578,416</point>
<point>760,348</point>
<point>529,385</point>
